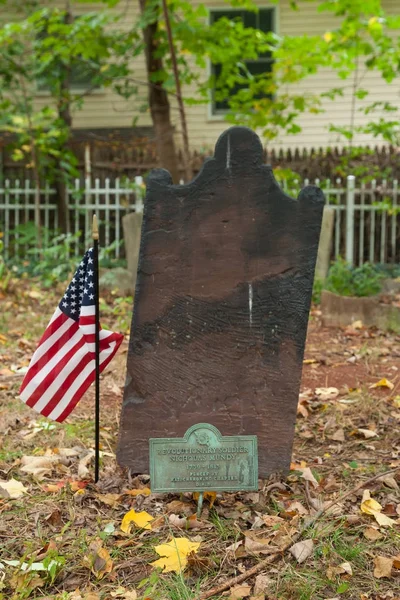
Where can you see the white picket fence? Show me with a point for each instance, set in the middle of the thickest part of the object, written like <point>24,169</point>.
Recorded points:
<point>110,201</point>
<point>367,222</point>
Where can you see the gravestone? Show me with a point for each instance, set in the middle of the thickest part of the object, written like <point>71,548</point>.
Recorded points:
<point>221,306</point>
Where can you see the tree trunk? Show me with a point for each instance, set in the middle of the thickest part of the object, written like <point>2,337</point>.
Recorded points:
<point>64,112</point>
<point>159,103</point>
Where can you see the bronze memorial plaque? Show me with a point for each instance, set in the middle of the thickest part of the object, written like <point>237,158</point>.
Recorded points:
<point>204,460</point>
<point>221,307</point>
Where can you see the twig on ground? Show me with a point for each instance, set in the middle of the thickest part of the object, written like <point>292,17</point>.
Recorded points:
<point>272,558</point>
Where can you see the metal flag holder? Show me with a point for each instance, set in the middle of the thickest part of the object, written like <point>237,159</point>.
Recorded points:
<point>95,236</point>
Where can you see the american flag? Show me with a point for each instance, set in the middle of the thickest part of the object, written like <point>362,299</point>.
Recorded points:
<point>63,365</point>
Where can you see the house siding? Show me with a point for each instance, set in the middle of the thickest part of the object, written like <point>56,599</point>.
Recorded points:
<point>105,109</point>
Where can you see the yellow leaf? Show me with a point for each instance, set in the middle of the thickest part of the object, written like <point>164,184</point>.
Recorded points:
<point>210,496</point>
<point>141,519</point>
<point>144,491</point>
<point>174,554</point>
<point>383,383</point>
<point>328,37</point>
<point>369,506</point>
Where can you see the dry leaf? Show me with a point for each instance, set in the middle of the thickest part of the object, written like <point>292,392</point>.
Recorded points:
<point>308,476</point>
<point>109,499</point>
<point>123,594</point>
<point>383,567</point>
<point>261,584</point>
<point>174,555</point>
<point>372,534</point>
<point>367,433</point>
<point>338,436</point>
<point>240,591</point>
<point>346,567</point>
<point>12,489</point>
<point>39,466</point>
<point>98,560</point>
<point>210,496</point>
<point>383,383</point>
<point>141,519</point>
<point>141,492</point>
<point>233,547</point>
<point>369,506</point>
<point>272,520</point>
<point>255,545</point>
<point>188,522</point>
<point>83,470</point>
<point>302,550</point>
<point>325,394</point>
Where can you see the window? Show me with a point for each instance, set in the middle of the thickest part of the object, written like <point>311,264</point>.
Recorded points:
<point>263,20</point>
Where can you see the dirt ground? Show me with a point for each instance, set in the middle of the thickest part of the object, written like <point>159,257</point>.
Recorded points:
<point>329,530</point>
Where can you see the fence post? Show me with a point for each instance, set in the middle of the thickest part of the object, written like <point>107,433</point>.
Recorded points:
<point>350,219</point>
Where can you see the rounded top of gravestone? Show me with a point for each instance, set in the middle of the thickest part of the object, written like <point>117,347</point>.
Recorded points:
<point>239,147</point>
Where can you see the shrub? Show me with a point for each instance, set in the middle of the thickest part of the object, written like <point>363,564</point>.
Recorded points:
<point>345,280</point>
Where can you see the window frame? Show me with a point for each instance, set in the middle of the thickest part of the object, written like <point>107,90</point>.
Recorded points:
<point>220,116</point>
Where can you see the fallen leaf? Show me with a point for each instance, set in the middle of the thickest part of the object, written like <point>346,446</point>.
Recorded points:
<point>109,499</point>
<point>329,393</point>
<point>240,591</point>
<point>257,545</point>
<point>297,507</point>
<point>188,522</point>
<point>346,566</point>
<point>141,519</point>
<point>383,567</point>
<point>141,492</point>
<point>233,547</point>
<point>372,534</point>
<point>98,560</point>
<point>338,436</point>
<point>174,555</point>
<point>383,383</point>
<point>369,506</point>
<point>83,470</point>
<point>39,466</point>
<point>210,496</point>
<point>302,550</point>
<point>272,520</point>
<point>123,594</point>
<point>261,584</point>
<point>12,489</point>
<point>367,433</point>
<point>308,476</point>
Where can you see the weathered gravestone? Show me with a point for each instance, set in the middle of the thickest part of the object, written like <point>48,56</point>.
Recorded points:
<point>221,307</point>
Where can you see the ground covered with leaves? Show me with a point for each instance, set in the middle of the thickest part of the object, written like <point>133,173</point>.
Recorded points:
<point>330,530</point>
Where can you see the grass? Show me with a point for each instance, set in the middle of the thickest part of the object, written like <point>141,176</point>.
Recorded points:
<point>69,521</point>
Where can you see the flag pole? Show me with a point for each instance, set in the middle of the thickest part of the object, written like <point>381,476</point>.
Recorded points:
<point>95,235</point>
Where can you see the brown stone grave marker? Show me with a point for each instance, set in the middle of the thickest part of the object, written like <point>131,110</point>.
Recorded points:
<point>221,307</point>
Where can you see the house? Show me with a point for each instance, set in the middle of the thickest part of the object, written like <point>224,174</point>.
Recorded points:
<point>104,109</point>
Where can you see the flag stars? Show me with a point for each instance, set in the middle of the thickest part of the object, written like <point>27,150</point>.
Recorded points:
<point>90,260</point>
<point>90,273</point>
<point>91,296</point>
<point>91,284</point>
